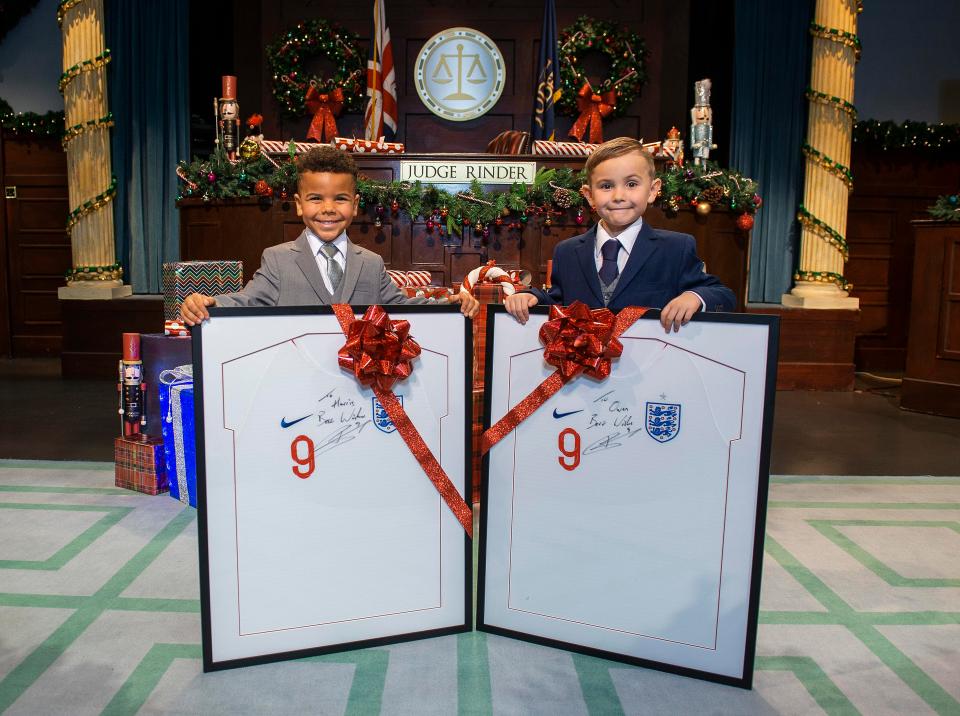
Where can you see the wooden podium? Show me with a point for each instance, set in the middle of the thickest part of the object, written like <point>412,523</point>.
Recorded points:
<point>243,228</point>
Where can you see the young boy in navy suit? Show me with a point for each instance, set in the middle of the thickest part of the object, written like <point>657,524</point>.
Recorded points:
<point>623,261</point>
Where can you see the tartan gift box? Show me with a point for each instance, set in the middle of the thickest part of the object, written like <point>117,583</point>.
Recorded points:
<point>211,278</point>
<point>486,293</point>
<point>139,464</point>
<point>477,461</point>
<point>179,441</point>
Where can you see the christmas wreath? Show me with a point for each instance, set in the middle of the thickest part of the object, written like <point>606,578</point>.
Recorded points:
<point>312,38</point>
<point>626,52</point>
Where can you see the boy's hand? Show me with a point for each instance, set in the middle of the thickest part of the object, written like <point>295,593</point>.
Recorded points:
<point>519,304</point>
<point>469,306</point>
<point>679,311</point>
<point>194,308</point>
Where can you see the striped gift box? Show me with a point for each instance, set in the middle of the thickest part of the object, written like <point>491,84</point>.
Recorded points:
<point>273,146</point>
<point>563,149</point>
<point>139,464</point>
<point>399,278</point>
<point>211,278</point>
<point>419,278</point>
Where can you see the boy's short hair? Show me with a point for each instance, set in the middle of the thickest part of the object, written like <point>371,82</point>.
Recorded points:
<point>326,158</point>
<point>617,148</point>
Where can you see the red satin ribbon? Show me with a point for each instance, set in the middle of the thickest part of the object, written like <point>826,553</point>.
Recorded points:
<point>576,340</point>
<point>378,352</point>
<point>593,108</point>
<point>324,108</point>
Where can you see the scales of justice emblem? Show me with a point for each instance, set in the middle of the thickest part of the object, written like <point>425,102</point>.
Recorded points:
<point>459,74</point>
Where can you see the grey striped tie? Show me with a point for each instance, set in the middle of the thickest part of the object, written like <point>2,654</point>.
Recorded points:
<point>334,270</point>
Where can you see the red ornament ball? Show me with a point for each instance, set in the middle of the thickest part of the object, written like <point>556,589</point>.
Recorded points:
<point>745,222</point>
<point>262,188</point>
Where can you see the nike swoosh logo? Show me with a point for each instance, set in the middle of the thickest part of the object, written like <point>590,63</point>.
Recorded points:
<point>563,415</point>
<point>285,424</point>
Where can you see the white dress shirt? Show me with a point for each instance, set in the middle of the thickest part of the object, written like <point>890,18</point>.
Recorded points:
<point>340,257</point>
<point>627,239</point>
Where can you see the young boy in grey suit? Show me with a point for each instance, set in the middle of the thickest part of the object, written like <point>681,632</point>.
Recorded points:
<point>322,266</point>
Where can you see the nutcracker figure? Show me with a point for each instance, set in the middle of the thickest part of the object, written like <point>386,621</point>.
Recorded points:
<point>228,117</point>
<point>672,148</point>
<point>701,127</point>
<point>132,390</point>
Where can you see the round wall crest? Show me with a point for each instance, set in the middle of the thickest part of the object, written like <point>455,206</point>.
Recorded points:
<point>459,74</point>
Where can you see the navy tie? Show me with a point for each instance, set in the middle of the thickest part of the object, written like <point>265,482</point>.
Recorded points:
<point>608,269</point>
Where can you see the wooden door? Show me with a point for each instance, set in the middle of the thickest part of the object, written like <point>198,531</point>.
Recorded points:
<point>36,247</point>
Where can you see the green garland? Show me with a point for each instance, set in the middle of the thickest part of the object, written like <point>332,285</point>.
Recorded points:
<point>31,124</point>
<point>553,194</point>
<point>940,140</point>
<point>842,37</point>
<point>72,73</point>
<point>839,170</point>
<point>92,205</point>
<point>286,55</point>
<point>823,277</point>
<point>838,102</point>
<point>946,208</point>
<point>76,130</point>
<point>624,49</point>
<point>826,232</point>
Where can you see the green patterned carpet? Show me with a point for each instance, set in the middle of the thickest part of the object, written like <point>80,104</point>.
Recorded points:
<point>99,613</point>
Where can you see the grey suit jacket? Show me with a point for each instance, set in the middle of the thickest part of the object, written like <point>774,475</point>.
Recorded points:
<point>289,276</point>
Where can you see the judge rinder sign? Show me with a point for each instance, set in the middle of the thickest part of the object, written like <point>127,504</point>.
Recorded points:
<point>438,171</point>
<point>459,74</point>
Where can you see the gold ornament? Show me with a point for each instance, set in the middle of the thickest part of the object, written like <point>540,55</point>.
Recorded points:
<point>249,149</point>
<point>703,208</point>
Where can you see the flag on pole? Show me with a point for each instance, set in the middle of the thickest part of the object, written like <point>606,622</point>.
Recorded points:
<point>548,76</point>
<point>380,119</point>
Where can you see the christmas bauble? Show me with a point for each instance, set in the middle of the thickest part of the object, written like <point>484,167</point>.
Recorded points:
<point>703,208</point>
<point>745,222</point>
<point>262,188</point>
<point>249,149</point>
<point>211,177</point>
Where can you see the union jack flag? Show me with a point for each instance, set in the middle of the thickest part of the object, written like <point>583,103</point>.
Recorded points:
<point>380,119</point>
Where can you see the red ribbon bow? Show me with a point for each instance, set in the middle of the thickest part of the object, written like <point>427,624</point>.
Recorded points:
<point>324,108</point>
<point>577,340</point>
<point>593,108</point>
<point>378,351</point>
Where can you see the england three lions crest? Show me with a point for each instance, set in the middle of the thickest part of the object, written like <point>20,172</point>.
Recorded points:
<point>381,419</point>
<point>663,421</point>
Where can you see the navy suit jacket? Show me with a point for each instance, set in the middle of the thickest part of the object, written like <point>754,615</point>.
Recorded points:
<point>662,265</point>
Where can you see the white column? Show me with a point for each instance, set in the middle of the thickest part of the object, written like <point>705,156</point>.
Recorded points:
<point>820,281</point>
<point>95,272</point>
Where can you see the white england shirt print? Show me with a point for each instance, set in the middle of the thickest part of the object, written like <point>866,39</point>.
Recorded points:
<point>655,442</point>
<point>292,411</point>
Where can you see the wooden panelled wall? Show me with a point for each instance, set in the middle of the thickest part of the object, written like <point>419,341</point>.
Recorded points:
<point>890,190</point>
<point>34,246</point>
<point>243,228</point>
<point>514,26</point>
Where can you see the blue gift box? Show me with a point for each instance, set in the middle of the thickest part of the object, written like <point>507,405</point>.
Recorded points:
<point>179,442</point>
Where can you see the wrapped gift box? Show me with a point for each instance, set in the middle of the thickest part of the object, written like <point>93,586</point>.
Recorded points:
<point>486,293</point>
<point>139,464</point>
<point>368,146</point>
<point>211,278</point>
<point>426,291</point>
<point>160,353</point>
<point>477,460</point>
<point>179,442</point>
<point>563,149</point>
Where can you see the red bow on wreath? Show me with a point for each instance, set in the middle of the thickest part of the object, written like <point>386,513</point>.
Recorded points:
<point>593,108</point>
<point>324,108</point>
